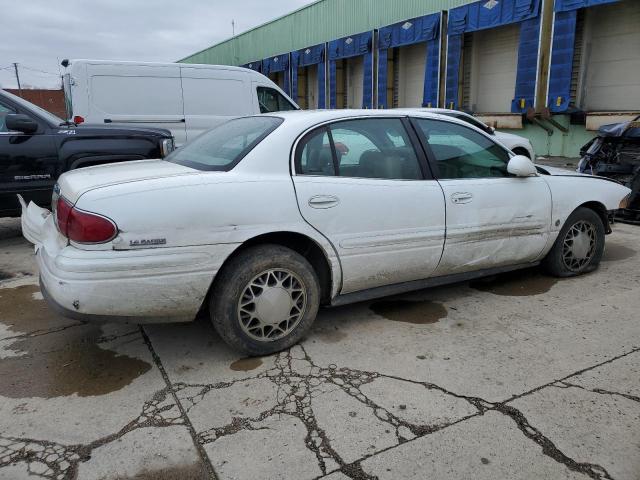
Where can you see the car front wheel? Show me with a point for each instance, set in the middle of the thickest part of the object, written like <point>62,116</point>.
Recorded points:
<point>264,299</point>
<point>579,246</point>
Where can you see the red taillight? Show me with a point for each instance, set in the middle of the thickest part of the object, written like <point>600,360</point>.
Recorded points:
<point>77,119</point>
<point>83,227</point>
<point>63,209</point>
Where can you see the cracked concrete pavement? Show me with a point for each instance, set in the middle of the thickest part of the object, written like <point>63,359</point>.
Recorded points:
<point>520,376</point>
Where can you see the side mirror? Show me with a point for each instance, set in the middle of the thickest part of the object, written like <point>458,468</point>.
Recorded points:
<point>19,122</point>
<point>521,166</point>
<point>491,130</point>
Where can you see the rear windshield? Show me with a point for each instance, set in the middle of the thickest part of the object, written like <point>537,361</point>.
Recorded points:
<point>224,146</point>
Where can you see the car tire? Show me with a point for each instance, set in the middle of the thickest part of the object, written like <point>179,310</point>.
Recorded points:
<point>579,246</point>
<point>264,299</point>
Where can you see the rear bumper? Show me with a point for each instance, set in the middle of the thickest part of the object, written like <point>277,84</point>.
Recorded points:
<point>137,286</point>
<point>33,220</point>
<point>151,285</point>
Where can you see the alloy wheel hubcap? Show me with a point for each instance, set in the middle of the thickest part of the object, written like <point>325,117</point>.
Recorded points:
<point>579,245</point>
<point>272,305</point>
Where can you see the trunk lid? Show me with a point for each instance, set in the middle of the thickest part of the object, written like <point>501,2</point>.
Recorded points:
<point>77,182</point>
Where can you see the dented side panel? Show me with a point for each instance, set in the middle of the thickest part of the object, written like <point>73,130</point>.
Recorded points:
<point>493,222</point>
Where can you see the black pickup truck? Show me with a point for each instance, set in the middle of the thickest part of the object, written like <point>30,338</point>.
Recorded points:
<point>36,147</point>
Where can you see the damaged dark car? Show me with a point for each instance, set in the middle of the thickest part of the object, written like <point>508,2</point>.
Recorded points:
<point>615,153</point>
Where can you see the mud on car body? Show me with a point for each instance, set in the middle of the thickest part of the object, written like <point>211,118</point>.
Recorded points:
<point>264,218</point>
<point>36,147</point>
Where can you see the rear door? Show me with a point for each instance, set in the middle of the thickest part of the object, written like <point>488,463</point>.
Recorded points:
<point>138,94</point>
<point>360,183</point>
<point>212,96</point>
<point>493,219</point>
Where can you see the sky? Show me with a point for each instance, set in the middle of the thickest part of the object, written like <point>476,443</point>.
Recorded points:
<point>38,34</point>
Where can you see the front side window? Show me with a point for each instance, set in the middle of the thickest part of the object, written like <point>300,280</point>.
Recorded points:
<point>364,148</point>
<point>461,152</point>
<point>224,146</point>
<point>271,100</point>
<point>4,111</point>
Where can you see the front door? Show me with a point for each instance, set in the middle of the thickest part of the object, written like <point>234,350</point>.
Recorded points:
<point>361,184</point>
<point>28,164</point>
<point>493,219</point>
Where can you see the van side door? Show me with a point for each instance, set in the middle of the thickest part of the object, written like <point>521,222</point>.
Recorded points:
<point>212,96</point>
<point>148,95</point>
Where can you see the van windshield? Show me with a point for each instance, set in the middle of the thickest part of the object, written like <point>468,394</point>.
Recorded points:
<point>224,146</point>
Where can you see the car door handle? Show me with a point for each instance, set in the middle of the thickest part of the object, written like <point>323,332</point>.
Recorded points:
<point>323,201</point>
<point>461,197</point>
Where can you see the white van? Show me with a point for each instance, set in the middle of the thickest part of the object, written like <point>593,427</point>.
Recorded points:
<point>184,98</point>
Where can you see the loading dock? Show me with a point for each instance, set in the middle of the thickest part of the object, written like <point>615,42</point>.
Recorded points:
<point>409,62</point>
<point>351,71</point>
<point>492,56</point>
<point>595,56</point>
<point>308,77</point>
<point>277,69</point>
<point>256,66</point>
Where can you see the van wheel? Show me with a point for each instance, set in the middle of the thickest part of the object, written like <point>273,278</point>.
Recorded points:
<point>264,299</point>
<point>579,246</point>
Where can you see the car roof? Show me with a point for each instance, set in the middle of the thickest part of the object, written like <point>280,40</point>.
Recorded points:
<point>309,118</point>
<point>77,63</point>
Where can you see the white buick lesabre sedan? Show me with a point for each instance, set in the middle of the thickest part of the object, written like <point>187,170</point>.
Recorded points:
<point>265,218</point>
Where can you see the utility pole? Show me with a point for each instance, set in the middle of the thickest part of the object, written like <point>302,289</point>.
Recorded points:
<point>233,28</point>
<point>15,66</point>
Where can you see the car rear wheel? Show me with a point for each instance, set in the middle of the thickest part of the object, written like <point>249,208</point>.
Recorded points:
<point>579,246</point>
<point>264,299</point>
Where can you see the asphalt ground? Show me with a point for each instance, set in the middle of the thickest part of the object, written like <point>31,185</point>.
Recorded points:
<point>515,377</point>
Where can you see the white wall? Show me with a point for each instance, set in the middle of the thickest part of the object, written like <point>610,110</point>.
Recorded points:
<point>413,60</point>
<point>611,66</point>
<point>312,86</point>
<point>493,68</point>
<point>355,81</point>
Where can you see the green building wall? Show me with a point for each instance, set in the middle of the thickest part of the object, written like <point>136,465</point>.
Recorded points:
<point>327,20</point>
<point>559,144</point>
<point>318,22</point>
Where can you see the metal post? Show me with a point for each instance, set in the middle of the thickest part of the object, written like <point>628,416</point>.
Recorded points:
<point>15,66</point>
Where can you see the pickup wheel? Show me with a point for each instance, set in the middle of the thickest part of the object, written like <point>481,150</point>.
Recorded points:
<point>579,246</point>
<point>264,299</point>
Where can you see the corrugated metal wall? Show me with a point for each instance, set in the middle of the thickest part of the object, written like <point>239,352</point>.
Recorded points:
<point>316,23</point>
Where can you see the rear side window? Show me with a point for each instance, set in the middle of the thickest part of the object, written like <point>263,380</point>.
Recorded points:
<point>364,148</point>
<point>271,100</point>
<point>224,146</point>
